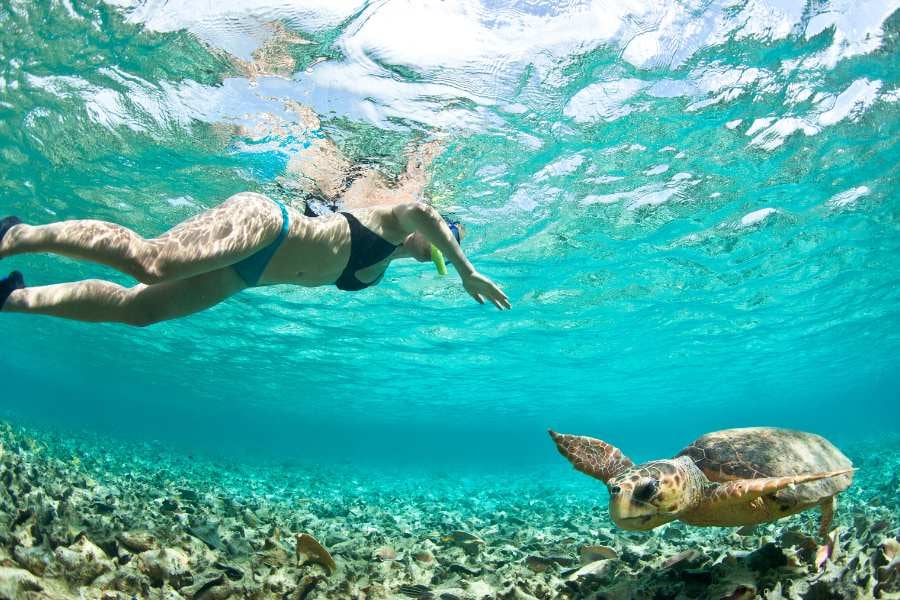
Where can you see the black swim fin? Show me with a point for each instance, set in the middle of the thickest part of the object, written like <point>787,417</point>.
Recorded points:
<point>9,284</point>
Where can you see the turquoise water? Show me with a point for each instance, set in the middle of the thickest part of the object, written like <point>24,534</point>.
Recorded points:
<point>692,206</point>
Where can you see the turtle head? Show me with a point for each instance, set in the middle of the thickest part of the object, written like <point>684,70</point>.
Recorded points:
<point>651,494</point>
<point>640,497</point>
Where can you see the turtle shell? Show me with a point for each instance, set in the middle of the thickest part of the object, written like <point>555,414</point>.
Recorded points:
<point>754,452</point>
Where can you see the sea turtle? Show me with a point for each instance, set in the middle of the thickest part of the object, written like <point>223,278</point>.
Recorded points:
<point>726,478</point>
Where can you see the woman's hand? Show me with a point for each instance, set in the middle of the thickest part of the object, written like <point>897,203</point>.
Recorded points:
<point>480,287</point>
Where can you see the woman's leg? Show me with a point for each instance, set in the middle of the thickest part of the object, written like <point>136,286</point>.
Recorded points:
<point>101,301</point>
<point>221,236</point>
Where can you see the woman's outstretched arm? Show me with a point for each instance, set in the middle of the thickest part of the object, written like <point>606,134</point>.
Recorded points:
<point>420,218</point>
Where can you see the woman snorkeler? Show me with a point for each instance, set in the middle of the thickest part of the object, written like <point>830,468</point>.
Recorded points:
<point>246,241</point>
<point>249,240</point>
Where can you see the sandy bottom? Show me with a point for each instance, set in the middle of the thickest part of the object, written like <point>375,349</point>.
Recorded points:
<point>81,520</point>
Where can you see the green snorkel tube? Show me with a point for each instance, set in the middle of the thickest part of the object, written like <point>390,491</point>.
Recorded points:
<point>437,257</point>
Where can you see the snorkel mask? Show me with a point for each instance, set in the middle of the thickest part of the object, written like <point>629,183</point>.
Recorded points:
<point>437,257</point>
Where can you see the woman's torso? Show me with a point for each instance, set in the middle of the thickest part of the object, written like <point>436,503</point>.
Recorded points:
<point>318,249</point>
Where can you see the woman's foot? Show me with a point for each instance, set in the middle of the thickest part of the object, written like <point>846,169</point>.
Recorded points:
<point>7,224</point>
<point>9,284</point>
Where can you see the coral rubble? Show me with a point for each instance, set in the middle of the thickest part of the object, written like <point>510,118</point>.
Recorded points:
<point>82,520</point>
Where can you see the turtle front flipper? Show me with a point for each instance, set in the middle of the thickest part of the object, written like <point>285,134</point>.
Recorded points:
<point>728,503</point>
<point>592,456</point>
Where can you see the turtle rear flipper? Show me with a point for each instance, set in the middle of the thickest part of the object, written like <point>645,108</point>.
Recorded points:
<point>592,456</point>
<point>827,506</point>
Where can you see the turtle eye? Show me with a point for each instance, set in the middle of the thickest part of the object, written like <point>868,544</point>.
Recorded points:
<point>645,491</point>
<point>614,490</point>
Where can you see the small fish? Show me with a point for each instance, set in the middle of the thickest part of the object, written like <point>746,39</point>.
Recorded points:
<point>461,537</point>
<point>464,570</point>
<point>416,591</point>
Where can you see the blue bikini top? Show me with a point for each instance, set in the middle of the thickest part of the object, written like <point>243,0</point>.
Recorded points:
<point>366,249</point>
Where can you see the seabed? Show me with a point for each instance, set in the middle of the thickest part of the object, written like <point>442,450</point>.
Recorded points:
<point>80,518</point>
